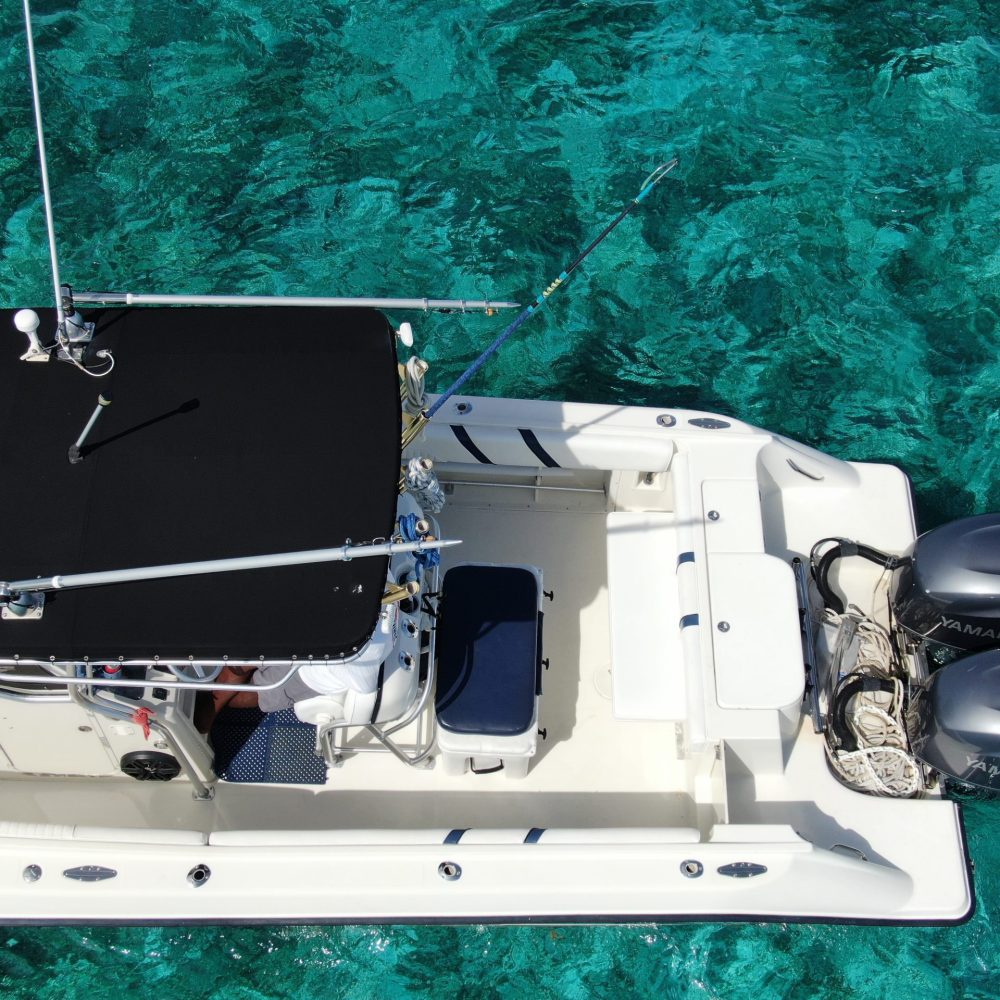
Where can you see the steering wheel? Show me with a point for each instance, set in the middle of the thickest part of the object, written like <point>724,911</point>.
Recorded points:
<point>195,673</point>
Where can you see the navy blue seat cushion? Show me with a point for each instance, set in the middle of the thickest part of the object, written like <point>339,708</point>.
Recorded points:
<point>487,649</point>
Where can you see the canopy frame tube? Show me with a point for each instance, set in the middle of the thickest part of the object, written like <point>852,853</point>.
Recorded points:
<point>68,681</point>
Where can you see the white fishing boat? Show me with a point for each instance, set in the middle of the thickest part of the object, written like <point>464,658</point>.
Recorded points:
<point>519,660</point>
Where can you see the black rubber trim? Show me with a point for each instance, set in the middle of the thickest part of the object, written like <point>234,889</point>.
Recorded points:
<point>462,435</point>
<point>536,448</point>
<point>507,920</point>
<point>455,836</point>
<point>533,835</point>
<point>538,657</point>
<point>970,867</point>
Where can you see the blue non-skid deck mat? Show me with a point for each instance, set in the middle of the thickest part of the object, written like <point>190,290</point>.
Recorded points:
<point>268,747</point>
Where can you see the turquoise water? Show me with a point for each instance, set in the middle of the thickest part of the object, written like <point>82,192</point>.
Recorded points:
<point>824,262</point>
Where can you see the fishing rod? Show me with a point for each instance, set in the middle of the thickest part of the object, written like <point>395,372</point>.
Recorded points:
<point>424,416</point>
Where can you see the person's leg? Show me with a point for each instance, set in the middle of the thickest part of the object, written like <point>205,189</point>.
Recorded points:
<point>208,704</point>
<point>244,699</point>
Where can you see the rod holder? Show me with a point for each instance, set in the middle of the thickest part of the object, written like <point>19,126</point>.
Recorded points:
<point>75,453</point>
<point>400,592</point>
<point>23,606</point>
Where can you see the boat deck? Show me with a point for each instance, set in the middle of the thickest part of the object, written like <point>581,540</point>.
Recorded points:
<point>629,768</point>
<point>618,809</point>
<point>591,769</point>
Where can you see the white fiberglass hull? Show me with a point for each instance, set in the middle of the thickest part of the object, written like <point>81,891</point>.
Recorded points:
<point>679,777</point>
<point>499,882</point>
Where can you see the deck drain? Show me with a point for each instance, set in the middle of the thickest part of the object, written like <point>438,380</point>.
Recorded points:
<point>199,875</point>
<point>450,871</point>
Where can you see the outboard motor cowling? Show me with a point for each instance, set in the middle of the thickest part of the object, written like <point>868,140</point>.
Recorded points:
<point>953,721</point>
<point>947,587</point>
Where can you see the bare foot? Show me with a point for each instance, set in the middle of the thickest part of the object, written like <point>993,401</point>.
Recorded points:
<point>208,704</point>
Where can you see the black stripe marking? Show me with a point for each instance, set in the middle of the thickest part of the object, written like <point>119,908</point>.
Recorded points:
<point>468,444</point>
<point>534,835</point>
<point>537,450</point>
<point>538,656</point>
<point>455,836</point>
<point>378,692</point>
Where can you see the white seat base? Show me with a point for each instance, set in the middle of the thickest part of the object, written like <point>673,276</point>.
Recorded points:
<point>513,753</point>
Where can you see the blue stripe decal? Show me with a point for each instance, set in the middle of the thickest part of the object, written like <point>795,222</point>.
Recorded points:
<point>685,557</point>
<point>688,620</point>
<point>534,835</point>
<point>455,836</point>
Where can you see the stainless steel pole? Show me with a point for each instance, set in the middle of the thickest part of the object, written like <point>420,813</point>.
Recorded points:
<point>427,305</point>
<point>343,553</point>
<point>43,163</point>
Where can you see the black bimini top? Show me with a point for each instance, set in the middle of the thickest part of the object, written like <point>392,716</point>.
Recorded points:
<point>232,432</point>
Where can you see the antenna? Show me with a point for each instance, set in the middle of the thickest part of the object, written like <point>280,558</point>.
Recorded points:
<point>43,163</point>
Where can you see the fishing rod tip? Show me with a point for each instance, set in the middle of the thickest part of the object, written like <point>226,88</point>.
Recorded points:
<point>663,169</point>
<point>655,177</point>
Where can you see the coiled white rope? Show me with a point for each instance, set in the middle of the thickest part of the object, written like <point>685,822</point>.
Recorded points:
<point>413,384</point>
<point>882,763</point>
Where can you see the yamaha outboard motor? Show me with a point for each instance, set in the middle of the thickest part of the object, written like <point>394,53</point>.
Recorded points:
<point>945,592</point>
<point>948,592</point>
<point>948,589</point>
<point>954,721</point>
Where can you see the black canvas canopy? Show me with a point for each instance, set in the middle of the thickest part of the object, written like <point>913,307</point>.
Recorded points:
<point>232,432</point>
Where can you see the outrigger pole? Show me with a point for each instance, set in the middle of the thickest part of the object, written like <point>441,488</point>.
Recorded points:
<point>425,415</point>
<point>424,304</point>
<point>65,297</point>
<point>15,595</point>
<point>43,163</point>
